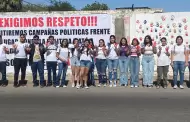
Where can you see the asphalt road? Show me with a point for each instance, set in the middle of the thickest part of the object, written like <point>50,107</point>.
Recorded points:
<point>94,105</point>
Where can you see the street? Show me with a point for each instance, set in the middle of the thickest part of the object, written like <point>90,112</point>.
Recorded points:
<point>94,105</point>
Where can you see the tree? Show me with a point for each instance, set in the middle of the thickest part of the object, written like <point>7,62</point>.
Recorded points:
<point>96,6</point>
<point>34,7</point>
<point>10,5</point>
<point>58,5</point>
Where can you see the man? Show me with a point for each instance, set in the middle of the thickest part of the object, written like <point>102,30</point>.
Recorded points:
<point>36,61</point>
<point>20,61</point>
<point>3,51</point>
<point>51,60</point>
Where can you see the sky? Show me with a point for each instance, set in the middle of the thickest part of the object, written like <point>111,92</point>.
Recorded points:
<point>167,5</point>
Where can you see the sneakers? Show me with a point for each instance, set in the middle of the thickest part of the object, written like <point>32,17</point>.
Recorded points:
<point>99,85</point>
<point>105,85</point>
<point>86,87</point>
<point>136,86</point>
<point>73,85</point>
<point>115,84</point>
<point>175,87</point>
<point>57,87</point>
<point>64,86</point>
<point>132,86</point>
<point>181,87</point>
<point>111,85</point>
<point>158,87</point>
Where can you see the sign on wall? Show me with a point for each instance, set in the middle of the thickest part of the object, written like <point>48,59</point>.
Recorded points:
<point>95,26</point>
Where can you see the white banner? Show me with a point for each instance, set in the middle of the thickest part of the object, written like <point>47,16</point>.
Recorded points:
<point>95,26</point>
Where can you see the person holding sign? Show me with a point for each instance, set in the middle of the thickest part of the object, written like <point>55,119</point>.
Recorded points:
<point>85,62</point>
<point>179,60</point>
<point>51,60</point>
<point>163,63</point>
<point>148,49</point>
<point>75,62</point>
<point>101,62</point>
<point>20,60</point>
<point>36,61</point>
<point>135,62</point>
<point>3,51</point>
<point>112,61</point>
<point>124,59</point>
<point>63,58</point>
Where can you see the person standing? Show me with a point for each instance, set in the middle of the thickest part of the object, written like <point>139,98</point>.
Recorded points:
<point>85,63</point>
<point>163,62</point>
<point>36,61</point>
<point>75,62</point>
<point>124,52</point>
<point>63,58</point>
<point>112,60</point>
<point>179,60</point>
<point>135,63</point>
<point>3,51</point>
<point>101,62</point>
<point>51,61</point>
<point>20,60</point>
<point>91,80</point>
<point>148,49</point>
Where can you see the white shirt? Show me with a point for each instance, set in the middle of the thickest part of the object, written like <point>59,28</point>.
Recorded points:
<point>63,53</point>
<point>100,54</point>
<point>179,53</point>
<point>84,56</point>
<point>20,50</point>
<point>112,54</point>
<point>163,59</point>
<point>75,53</point>
<point>148,50</point>
<point>51,53</point>
<point>2,52</point>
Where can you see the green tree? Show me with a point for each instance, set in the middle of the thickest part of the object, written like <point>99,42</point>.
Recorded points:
<point>95,6</point>
<point>58,5</point>
<point>34,7</point>
<point>10,5</point>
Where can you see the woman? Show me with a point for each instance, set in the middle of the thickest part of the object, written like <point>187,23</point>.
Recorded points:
<point>124,51</point>
<point>85,63</point>
<point>75,62</point>
<point>63,58</point>
<point>101,62</point>
<point>179,59</point>
<point>148,50</point>
<point>91,70</point>
<point>51,60</point>
<point>163,62</point>
<point>135,63</point>
<point>112,61</point>
<point>20,60</point>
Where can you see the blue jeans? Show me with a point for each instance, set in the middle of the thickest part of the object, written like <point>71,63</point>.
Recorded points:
<point>112,67</point>
<point>91,73</point>
<point>51,67</point>
<point>148,69</point>
<point>101,65</point>
<point>62,70</point>
<point>4,80</point>
<point>135,65</point>
<point>178,66</point>
<point>123,67</point>
<point>38,67</point>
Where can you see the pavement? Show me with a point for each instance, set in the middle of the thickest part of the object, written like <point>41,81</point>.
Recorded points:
<point>94,105</point>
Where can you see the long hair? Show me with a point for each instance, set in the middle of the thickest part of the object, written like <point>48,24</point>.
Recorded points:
<point>73,49</point>
<point>112,36</point>
<point>135,39</point>
<point>91,41</point>
<point>83,47</point>
<point>103,42</point>
<point>65,40</point>
<point>126,43</point>
<point>150,40</point>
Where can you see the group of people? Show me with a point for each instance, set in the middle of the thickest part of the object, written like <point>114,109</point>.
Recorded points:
<point>84,57</point>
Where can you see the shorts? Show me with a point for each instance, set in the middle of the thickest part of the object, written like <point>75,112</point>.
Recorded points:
<point>86,64</point>
<point>75,61</point>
